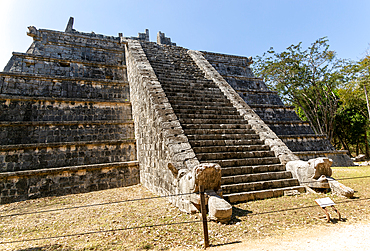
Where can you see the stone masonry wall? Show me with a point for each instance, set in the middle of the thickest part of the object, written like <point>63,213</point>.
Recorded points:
<point>26,63</point>
<point>59,87</point>
<point>65,117</point>
<point>161,143</point>
<point>340,158</point>
<point>76,46</point>
<point>320,142</point>
<point>278,113</point>
<point>290,127</point>
<point>51,109</point>
<point>17,186</point>
<point>49,155</point>
<point>260,97</point>
<point>39,132</point>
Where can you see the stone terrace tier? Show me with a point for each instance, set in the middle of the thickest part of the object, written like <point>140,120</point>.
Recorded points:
<point>215,130</point>
<point>295,133</point>
<point>65,103</point>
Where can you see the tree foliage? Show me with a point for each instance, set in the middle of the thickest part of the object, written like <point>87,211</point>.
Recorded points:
<point>306,78</point>
<point>352,120</point>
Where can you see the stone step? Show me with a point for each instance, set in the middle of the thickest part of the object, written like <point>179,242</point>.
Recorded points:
<point>196,101</point>
<point>175,65</point>
<point>178,72</point>
<point>162,61</point>
<point>162,64</point>
<point>218,131</point>
<point>210,121</point>
<point>259,185</point>
<point>186,82</point>
<point>195,94</point>
<point>239,142</point>
<point>166,73</point>
<point>216,126</point>
<point>232,148</point>
<point>234,155</point>
<point>203,100</point>
<point>260,195</point>
<point>205,111</point>
<point>208,106</point>
<point>218,117</point>
<point>246,178</point>
<point>240,170</point>
<point>215,129</point>
<point>186,89</point>
<point>245,162</point>
<point>222,137</point>
<point>175,84</point>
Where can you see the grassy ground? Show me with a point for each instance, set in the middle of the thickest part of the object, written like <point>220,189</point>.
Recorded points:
<point>256,219</point>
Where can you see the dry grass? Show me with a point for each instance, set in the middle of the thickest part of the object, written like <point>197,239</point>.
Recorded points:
<point>256,219</point>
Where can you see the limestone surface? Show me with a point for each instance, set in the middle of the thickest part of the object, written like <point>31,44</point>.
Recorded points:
<point>316,173</point>
<point>186,118</point>
<point>311,173</point>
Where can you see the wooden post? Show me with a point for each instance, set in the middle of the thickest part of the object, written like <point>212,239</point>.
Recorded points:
<point>204,216</point>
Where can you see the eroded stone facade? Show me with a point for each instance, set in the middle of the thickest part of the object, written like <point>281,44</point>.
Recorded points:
<point>82,111</point>
<point>66,124</point>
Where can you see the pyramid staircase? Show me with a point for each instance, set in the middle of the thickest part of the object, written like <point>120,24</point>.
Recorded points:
<point>282,120</point>
<point>216,131</point>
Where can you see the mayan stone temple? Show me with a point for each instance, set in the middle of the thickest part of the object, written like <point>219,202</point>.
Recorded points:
<point>83,112</point>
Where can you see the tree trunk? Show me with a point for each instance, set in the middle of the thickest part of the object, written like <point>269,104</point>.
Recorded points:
<point>366,146</point>
<point>367,101</point>
<point>368,109</point>
<point>344,145</point>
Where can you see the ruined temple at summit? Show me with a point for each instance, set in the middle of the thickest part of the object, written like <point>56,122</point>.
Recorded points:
<point>82,112</point>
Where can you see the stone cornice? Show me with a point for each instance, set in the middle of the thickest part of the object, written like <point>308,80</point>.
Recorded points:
<point>67,100</point>
<point>65,144</point>
<point>51,59</point>
<point>39,76</point>
<point>64,123</point>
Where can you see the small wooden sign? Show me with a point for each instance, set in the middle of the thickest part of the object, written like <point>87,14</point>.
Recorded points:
<point>325,202</point>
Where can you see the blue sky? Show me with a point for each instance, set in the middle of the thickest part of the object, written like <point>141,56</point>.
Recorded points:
<point>246,28</point>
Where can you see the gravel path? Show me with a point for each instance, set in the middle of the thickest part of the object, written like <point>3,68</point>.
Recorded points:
<point>329,238</point>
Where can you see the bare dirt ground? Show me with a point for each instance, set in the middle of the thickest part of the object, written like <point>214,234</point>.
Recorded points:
<point>330,237</point>
<point>133,218</point>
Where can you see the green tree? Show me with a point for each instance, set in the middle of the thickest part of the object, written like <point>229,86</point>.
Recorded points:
<point>352,122</point>
<point>307,79</point>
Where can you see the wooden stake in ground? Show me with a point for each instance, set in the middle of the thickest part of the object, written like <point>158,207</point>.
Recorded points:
<point>204,216</point>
